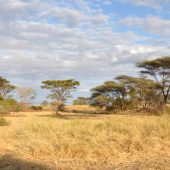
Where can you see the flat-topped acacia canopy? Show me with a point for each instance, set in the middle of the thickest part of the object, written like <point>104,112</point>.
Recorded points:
<point>159,69</point>
<point>60,89</point>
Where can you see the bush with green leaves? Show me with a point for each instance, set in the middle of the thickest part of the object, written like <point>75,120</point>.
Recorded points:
<point>36,107</point>
<point>9,105</point>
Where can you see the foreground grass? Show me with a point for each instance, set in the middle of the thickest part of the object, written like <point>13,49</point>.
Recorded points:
<point>3,122</point>
<point>92,143</point>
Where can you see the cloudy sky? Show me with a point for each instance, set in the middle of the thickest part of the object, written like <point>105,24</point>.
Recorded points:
<point>88,40</point>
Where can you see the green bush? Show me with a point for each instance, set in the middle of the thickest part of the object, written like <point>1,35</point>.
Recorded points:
<point>9,105</point>
<point>36,107</point>
<point>3,122</point>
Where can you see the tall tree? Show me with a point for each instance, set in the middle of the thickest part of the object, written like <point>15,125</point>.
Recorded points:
<point>5,88</point>
<point>60,89</point>
<point>159,69</point>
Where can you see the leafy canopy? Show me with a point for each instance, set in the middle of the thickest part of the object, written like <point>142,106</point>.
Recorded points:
<point>159,69</point>
<point>60,89</point>
<point>140,87</point>
<point>5,87</point>
<point>108,94</point>
<point>109,88</point>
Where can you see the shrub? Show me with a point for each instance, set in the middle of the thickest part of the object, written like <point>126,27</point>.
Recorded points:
<point>9,105</point>
<point>36,107</point>
<point>57,106</point>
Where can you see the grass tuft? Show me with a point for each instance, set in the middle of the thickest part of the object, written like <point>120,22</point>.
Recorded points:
<point>3,122</point>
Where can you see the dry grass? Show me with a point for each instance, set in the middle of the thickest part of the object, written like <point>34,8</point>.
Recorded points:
<point>70,108</point>
<point>3,122</point>
<point>75,141</point>
<point>79,108</point>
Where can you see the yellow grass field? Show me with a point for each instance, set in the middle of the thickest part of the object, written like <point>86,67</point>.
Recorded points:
<point>80,108</point>
<point>39,141</point>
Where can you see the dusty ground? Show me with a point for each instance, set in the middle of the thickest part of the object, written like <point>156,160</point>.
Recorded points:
<point>37,140</point>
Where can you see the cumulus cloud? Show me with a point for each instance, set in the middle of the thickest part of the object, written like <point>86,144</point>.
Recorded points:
<point>72,39</point>
<point>152,24</point>
<point>157,4</point>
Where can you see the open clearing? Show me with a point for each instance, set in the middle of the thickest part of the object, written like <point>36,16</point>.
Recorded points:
<point>37,140</point>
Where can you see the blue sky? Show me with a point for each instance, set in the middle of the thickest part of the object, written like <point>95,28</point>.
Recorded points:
<point>89,40</point>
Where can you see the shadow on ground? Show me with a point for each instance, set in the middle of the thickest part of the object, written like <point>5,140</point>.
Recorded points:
<point>9,162</point>
<point>73,116</point>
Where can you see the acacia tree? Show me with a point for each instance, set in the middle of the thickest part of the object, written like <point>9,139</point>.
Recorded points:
<point>5,88</point>
<point>141,89</point>
<point>60,90</point>
<point>110,94</point>
<point>159,69</point>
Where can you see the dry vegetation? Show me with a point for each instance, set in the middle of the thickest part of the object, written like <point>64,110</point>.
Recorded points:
<point>81,108</point>
<point>83,141</point>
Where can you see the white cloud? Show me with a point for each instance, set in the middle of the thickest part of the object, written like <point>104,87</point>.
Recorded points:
<point>153,25</point>
<point>157,4</point>
<point>107,2</point>
<point>72,39</point>
<point>65,15</point>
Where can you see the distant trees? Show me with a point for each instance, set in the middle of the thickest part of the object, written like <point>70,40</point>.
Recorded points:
<point>60,90</point>
<point>136,92</point>
<point>149,91</point>
<point>81,101</point>
<point>128,92</point>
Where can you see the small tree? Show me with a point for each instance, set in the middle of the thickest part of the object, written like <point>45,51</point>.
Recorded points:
<point>5,88</point>
<point>60,90</point>
<point>159,69</point>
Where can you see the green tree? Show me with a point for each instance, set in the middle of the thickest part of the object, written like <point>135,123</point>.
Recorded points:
<point>60,90</point>
<point>159,69</point>
<point>141,90</point>
<point>110,93</point>
<point>81,101</point>
<point>9,105</point>
<point>5,88</point>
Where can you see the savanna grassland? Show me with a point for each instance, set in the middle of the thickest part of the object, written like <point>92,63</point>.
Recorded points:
<point>38,140</point>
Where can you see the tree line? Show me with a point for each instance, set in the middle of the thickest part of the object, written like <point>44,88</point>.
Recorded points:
<point>149,91</point>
